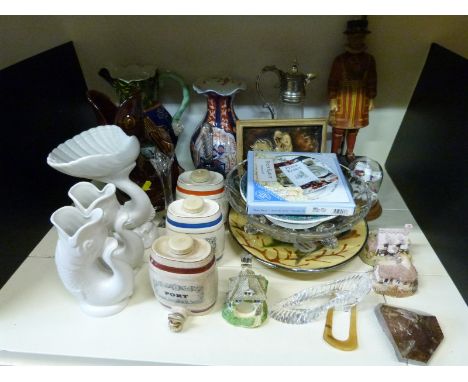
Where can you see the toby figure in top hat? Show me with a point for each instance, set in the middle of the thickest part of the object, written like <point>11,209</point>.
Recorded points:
<point>352,86</point>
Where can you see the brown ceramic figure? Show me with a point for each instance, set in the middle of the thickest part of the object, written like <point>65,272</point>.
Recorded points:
<point>352,86</point>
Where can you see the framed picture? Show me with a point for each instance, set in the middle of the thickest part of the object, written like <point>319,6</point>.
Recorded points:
<point>302,135</point>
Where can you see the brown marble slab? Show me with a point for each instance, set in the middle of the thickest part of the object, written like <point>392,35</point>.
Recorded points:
<point>414,335</point>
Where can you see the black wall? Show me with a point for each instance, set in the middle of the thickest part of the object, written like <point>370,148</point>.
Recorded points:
<point>428,159</point>
<point>42,104</point>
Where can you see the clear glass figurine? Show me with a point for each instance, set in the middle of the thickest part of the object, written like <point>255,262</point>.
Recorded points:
<point>245,303</point>
<point>310,304</point>
<point>371,172</point>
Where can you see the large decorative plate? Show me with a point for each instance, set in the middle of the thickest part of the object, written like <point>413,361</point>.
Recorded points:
<point>278,254</point>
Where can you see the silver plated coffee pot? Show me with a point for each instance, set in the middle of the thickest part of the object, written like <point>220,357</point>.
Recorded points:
<point>292,86</point>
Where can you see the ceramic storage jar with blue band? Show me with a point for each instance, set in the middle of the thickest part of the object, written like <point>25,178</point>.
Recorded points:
<point>200,218</point>
<point>204,183</point>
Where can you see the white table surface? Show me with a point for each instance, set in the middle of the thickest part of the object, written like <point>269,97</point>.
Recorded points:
<point>40,323</point>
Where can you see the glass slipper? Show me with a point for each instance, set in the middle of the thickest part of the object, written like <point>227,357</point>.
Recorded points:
<point>310,304</point>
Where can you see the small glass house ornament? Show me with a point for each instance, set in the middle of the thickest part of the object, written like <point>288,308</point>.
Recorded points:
<point>246,304</point>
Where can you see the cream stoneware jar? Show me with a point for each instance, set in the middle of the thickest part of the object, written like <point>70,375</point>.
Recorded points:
<point>200,218</point>
<point>184,276</point>
<point>203,183</point>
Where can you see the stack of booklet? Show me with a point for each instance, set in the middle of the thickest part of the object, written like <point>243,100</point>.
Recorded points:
<point>297,183</point>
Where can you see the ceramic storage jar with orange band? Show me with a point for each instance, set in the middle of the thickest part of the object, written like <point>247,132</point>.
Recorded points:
<point>197,217</point>
<point>204,183</point>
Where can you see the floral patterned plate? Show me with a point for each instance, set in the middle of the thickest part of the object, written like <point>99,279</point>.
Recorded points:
<point>278,254</point>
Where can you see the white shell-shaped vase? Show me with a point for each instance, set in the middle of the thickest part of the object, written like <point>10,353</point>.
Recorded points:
<point>87,197</point>
<point>105,153</point>
<point>88,262</point>
<point>95,153</point>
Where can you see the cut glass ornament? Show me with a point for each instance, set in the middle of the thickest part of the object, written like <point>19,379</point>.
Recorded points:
<point>246,304</point>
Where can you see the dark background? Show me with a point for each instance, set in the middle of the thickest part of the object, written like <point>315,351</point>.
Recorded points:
<point>42,104</point>
<point>428,159</point>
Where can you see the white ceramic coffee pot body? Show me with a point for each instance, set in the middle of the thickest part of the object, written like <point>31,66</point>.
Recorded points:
<point>197,217</point>
<point>203,183</point>
<point>183,274</point>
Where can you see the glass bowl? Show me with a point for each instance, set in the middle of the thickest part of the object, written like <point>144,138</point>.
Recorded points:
<point>325,232</point>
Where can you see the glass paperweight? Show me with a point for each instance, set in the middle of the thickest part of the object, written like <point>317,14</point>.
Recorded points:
<point>245,303</point>
<point>371,172</point>
<point>311,303</point>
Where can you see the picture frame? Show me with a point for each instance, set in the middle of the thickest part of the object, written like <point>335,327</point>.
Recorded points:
<point>300,135</point>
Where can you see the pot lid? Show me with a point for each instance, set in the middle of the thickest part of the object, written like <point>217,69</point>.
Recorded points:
<point>201,179</point>
<point>181,248</point>
<point>193,208</point>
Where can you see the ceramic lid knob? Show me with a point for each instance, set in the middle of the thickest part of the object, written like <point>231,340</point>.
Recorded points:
<point>193,204</point>
<point>200,176</point>
<point>180,244</point>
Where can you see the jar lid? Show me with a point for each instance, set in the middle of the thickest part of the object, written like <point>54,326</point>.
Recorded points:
<point>200,180</point>
<point>185,211</point>
<point>200,176</point>
<point>193,204</point>
<point>180,244</point>
<point>181,249</point>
